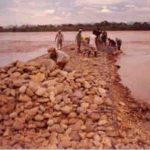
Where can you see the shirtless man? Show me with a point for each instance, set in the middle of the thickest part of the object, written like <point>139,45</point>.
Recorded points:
<point>60,57</point>
<point>79,40</point>
<point>104,37</point>
<point>98,40</point>
<point>112,47</point>
<point>119,43</point>
<point>59,38</point>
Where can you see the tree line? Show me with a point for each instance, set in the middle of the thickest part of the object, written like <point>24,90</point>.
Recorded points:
<point>105,25</point>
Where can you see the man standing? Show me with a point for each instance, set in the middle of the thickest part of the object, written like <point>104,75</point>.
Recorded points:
<point>79,40</point>
<point>104,37</point>
<point>59,38</point>
<point>119,43</point>
<point>98,40</point>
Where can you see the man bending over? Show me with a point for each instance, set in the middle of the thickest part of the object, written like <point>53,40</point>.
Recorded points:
<point>60,57</point>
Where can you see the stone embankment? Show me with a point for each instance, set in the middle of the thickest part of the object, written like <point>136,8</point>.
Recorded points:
<point>80,107</point>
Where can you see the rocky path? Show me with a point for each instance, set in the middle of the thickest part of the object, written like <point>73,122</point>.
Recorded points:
<point>81,107</point>
<point>127,114</point>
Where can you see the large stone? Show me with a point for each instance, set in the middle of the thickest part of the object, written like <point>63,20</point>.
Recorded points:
<point>39,117</point>
<point>29,105</point>
<point>66,109</point>
<point>56,128</point>
<point>50,122</point>
<point>59,88</point>
<point>32,63</point>
<point>72,121</point>
<point>48,64</point>
<point>147,116</point>
<point>108,101</point>
<point>85,105</point>
<point>77,125</point>
<point>78,94</point>
<point>55,73</point>
<point>7,132</point>
<point>83,127</point>
<point>13,92</point>
<point>65,143</point>
<point>7,105</point>
<point>16,74</point>
<point>90,135</point>
<point>22,89</point>
<point>24,98</point>
<point>33,86</point>
<point>98,100</point>
<point>29,92</point>
<point>102,92</point>
<point>102,122</point>
<point>96,141</point>
<point>95,116</point>
<point>106,141</point>
<point>87,85</point>
<point>57,107</point>
<point>19,64</point>
<point>39,77</point>
<point>47,115</point>
<point>122,103</point>
<point>81,110</point>
<point>32,112</point>
<point>13,115</point>
<point>19,124</point>
<point>59,98</point>
<point>17,83</point>
<point>40,91</point>
<point>63,73</point>
<point>75,136</point>
<point>42,108</point>
<point>52,97</point>
<point>72,115</point>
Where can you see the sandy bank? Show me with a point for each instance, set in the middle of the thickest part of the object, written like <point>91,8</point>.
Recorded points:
<point>84,106</point>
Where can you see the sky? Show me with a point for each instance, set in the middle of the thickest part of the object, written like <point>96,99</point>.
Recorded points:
<point>19,12</point>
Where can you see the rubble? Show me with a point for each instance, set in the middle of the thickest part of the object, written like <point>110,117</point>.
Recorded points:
<point>51,108</point>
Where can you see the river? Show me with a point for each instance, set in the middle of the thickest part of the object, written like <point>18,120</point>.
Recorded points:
<point>134,62</point>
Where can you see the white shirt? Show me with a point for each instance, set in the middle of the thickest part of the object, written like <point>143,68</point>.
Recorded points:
<point>59,36</point>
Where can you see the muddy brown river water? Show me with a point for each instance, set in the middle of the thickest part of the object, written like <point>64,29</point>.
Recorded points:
<point>134,62</point>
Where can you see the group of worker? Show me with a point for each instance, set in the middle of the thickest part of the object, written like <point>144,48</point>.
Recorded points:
<point>101,40</point>
<point>102,43</point>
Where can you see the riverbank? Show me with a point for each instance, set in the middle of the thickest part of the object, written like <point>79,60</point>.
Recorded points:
<point>84,106</point>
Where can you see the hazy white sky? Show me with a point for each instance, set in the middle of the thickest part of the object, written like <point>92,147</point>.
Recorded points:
<point>72,11</point>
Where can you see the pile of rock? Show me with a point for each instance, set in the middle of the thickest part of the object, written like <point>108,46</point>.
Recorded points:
<point>72,107</point>
<point>44,107</point>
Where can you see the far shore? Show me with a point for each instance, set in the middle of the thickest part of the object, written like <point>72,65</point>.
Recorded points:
<point>71,31</point>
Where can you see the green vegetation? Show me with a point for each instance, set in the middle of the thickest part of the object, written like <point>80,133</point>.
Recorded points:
<point>105,25</point>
